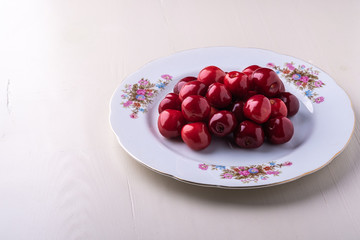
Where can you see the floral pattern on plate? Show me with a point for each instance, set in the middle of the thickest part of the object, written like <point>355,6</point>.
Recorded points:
<point>304,78</point>
<point>247,174</point>
<point>138,96</point>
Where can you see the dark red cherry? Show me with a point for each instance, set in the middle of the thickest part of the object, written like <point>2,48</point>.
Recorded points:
<point>238,110</point>
<point>195,108</point>
<point>192,88</point>
<point>249,135</point>
<point>278,108</point>
<point>170,123</point>
<point>171,101</point>
<point>218,95</point>
<point>222,123</point>
<point>210,75</point>
<point>248,71</point>
<point>267,82</point>
<point>279,130</point>
<point>291,102</point>
<point>237,83</point>
<point>196,135</point>
<point>257,108</point>
<point>213,111</point>
<point>182,82</point>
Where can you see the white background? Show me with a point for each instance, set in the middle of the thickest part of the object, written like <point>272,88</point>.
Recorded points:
<point>63,174</point>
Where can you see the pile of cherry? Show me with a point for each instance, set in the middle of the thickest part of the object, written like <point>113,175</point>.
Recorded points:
<point>252,105</point>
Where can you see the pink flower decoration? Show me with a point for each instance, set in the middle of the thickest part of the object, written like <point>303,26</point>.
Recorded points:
<point>275,172</point>
<point>269,172</point>
<point>290,66</point>
<point>319,99</point>
<point>304,79</point>
<point>298,83</point>
<point>133,115</point>
<point>141,91</point>
<point>150,94</point>
<point>228,175</point>
<point>245,173</point>
<point>241,168</point>
<point>287,163</point>
<point>143,82</point>
<point>318,83</point>
<point>203,166</point>
<point>128,103</point>
<point>166,77</point>
<point>271,65</point>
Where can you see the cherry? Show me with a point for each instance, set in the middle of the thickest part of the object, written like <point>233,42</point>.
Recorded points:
<point>248,71</point>
<point>249,135</point>
<point>195,108</point>
<point>211,74</point>
<point>170,123</point>
<point>249,94</point>
<point>171,101</point>
<point>279,130</point>
<point>192,88</point>
<point>237,83</point>
<point>257,108</point>
<point>278,108</point>
<point>182,82</point>
<point>222,123</point>
<point>196,135</point>
<point>291,102</point>
<point>213,111</point>
<point>267,82</point>
<point>218,95</point>
<point>238,110</point>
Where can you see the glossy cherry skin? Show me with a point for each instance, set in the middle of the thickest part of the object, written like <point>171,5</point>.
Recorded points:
<point>249,135</point>
<point>238,110</point>
<point>248,71</point>
<point>218,95</point>
<point>237,83</point>
<point>213,111</point>
<point>267,82</point>
<point>171,101</point>
<point>170,123</point>
<point>196,135</point>
<point>279,130</point>
<point>278,108</point>
<point>182,82</point>
<point>195,108</point>
<point>257,108</point>
<point>291,102</point>
<point>222,123</point>
<point>192,88</point>
<point>210,75</point>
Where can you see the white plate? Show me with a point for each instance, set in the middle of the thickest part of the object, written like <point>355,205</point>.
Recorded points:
<point>323,125</point>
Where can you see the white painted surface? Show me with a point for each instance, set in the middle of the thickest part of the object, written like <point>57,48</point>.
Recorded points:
<point>64,176</point>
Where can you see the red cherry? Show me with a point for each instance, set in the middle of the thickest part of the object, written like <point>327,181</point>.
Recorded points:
<point>195,108</point>
<point>278,108</point>
<point>170,123</point>
<point>211,74</point>
<point>291,102</point>
<point>248,71</point>
<point>182,82</point>
<point>249,94</point>
<point>249,135</point>
<point>218,95</point>
<point>171,101</point>
<point>279,130</point>
<point>238,110</point>
<point>192,88</point>
<point>213,111</point>
<point>222,123</point>
<point>267,82</point>
<point>237,83</point>
<point>196,135</point>
<point>257,108</point>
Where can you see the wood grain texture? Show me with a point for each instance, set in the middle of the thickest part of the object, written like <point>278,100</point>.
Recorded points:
<point>64,176</point>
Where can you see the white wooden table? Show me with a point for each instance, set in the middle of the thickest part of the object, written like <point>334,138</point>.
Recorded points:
<point>63,174</point>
